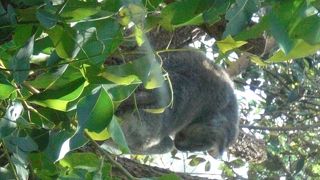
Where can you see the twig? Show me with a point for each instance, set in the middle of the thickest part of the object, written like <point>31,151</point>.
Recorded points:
<point>115,163</point>
<point>296,128</point>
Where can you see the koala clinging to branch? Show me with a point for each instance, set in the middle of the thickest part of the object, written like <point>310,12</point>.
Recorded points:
<point>203,116</point>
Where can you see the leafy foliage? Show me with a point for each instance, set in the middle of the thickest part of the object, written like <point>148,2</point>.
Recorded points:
<point>58,90</point>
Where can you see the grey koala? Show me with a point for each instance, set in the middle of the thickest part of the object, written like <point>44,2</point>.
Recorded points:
<point>203,116</point>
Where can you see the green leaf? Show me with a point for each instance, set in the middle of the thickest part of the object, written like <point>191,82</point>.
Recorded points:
<point>42,166</point>
<point>301,49</point>
<point>20,63</point>
<point>310,31</point>
<point>145,68</point>
<point>61,143</point>
<point>120,93</point>
<point>53,59</point>
<point>30,2</point>
<point>181,13</point>
<point>92,74</point>
<point>95,111</point>
<point>254,31</point>
<point>258,61</point>
<point>64,40</point>
<point>299,165</point>
<point>6,127</point>
<point>104,172</point>
<point>139,35</point>
<point>26,143</point>
<point>78,10</point>
<point>56,78</point>
<point>117,135</point>
<point>22,34</point>
<point>46,18</point>
<point>237,163</point>
<point>58,145</point>
<point>229,43</point>
<point>87,161</point>
<point>6,89</point>
<point>212,15</point>
<point>207,166</point>
<point>26,14</point>
<point>151,4</point>
<point>239,15</point>
<point>60,98</point>
<point>99,136</point>
<point>41,137</point>
<point>120,77</point>
<point>99,39</point>
<point>43,45</point>
<point>137,13</point>
<point>112,5</point>
<point>41,120</point>
<point>196,161</point>
<point>279,32</point>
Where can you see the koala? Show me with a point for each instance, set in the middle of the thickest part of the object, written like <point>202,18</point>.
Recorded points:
<point>203,115</point>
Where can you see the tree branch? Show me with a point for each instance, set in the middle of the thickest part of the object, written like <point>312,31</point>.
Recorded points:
<point>240,65</point>
<point>296,128</point>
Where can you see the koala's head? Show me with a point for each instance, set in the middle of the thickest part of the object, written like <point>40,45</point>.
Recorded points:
<point>201,137</point>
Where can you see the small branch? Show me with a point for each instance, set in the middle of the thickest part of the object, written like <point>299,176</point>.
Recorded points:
<point>115,163</point>
<point>277,78</point>
<point>296,128</point>
<point>31,88</point>
<point>240,65</point>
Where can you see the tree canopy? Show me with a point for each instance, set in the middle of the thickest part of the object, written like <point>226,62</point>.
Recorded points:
<point>59,88</point>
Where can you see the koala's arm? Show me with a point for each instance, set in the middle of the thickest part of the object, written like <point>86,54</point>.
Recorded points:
<point>147,98</point>
<point>144,132</point>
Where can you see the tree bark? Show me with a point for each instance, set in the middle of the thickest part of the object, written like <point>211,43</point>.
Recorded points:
<point>140,170</point>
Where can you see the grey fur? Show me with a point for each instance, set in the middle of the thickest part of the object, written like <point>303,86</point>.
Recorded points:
<point>204,115</point>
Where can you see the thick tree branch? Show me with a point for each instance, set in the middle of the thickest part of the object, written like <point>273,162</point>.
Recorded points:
<point>141,170</point>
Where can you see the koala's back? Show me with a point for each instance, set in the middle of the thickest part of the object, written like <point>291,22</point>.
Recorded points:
<point>200,88</point>
<point>204,104</point>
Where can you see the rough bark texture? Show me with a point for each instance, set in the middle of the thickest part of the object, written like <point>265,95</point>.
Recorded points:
<point>140,170</point>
